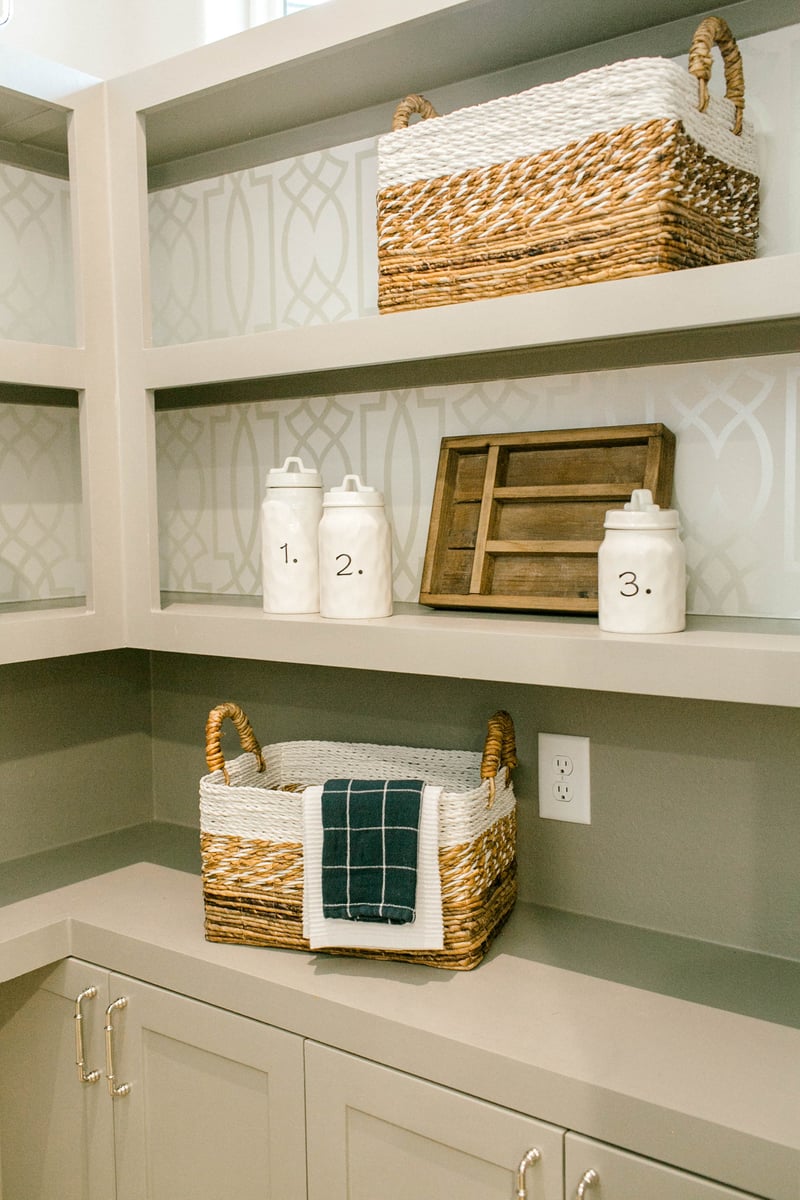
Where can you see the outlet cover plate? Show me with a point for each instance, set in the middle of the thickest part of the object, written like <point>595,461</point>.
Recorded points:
<point>564,789</point>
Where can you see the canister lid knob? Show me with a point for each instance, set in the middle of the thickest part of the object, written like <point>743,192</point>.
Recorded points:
<point>352,492</point>
<point>294,474</point>
<point>641,513</point>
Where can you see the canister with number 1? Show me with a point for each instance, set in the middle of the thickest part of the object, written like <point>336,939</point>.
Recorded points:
<point>290,516</point>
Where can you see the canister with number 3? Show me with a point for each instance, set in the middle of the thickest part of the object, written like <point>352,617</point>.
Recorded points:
<point>641,567</point>
<point>355,552</point>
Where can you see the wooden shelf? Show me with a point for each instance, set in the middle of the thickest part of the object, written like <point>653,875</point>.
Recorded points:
<point>710,312</point>
<point>252,87</point>
<point>248,89</point>
<point>33,373</point>
<point>752,661</point>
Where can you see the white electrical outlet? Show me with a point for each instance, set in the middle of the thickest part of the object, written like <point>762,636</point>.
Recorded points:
<point>564,791</point>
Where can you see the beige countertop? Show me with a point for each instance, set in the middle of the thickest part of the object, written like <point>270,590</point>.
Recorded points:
<point>712,1091</point>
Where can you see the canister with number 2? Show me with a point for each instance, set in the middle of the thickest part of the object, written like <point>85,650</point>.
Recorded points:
<point>641,568</point>
<point>355,552</point>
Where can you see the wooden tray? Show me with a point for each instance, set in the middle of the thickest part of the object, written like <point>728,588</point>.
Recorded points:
<point>517,518</point>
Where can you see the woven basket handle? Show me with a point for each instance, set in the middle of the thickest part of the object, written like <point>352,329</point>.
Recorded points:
<point>214,756</point>
<point>412,104</point>
<point>713,31</point>
<point>500,750</point>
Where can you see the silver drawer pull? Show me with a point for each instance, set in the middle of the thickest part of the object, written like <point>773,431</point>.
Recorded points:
<point>533,1156</point>
<point>588,1179</point>
<point>80,1058</point>
<point>114,1089</point>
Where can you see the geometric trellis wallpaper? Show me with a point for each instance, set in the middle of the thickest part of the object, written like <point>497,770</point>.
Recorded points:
<point>737,486</point>
<point>36,275</point>
<point>41,554</point>
<point>274,247</point>
<point>293,243</point>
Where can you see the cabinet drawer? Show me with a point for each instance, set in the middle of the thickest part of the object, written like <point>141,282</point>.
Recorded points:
<point>623,1176</point>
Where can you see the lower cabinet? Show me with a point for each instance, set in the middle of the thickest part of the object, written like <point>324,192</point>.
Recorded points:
<point>207,1103</point>
<point>377,1134</point>
<point>112,1089</point>
<point>56,1134</point>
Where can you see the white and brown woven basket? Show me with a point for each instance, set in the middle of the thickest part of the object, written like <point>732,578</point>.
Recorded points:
<point>251,822</point>
<point>631,169</point>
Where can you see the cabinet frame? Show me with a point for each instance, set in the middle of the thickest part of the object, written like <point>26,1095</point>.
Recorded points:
<point>261,76</point>
<point>89,369</point>
<point>711,311</point>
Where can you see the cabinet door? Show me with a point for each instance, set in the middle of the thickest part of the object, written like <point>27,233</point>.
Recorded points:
<point>56,1133</point>
<point>373,1132</point>
<point>215,1106</point>
<point>623,1176</point>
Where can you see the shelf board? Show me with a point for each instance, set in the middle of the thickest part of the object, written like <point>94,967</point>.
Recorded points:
<point>255,85</point>
<point>732,310</point>
<point>40,373</point>
<point>55,629</point>
<point>39,606</point>
<point>747,660</point>
<point>34,132</point>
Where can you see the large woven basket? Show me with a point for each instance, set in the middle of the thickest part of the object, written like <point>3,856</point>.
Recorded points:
<point>630,169</point>
<point>251,821</point>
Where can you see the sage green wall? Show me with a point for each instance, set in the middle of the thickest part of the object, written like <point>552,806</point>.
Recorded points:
<point>75,754</point>
<point>695,806</point>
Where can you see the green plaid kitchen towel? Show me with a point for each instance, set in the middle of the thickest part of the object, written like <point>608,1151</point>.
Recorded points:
<point>369,849</point>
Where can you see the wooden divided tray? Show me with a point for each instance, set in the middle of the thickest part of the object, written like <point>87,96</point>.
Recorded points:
<point>517,518</point>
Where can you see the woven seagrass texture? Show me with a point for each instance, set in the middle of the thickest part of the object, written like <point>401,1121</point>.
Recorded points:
<point>251,836</point>
<point>630,197</point>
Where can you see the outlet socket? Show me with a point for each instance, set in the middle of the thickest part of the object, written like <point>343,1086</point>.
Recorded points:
<point>564,791</point>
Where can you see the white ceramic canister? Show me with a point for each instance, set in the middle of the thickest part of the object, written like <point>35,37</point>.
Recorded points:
<point>290,517</point>
<point>641,567</point>
<point>355,552</point>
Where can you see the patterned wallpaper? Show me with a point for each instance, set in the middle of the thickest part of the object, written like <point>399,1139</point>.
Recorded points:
<point>41,549</point>
<point>292,243</point>
<point>287,244</point>
<point>736,476</point>
<point>36,280</point>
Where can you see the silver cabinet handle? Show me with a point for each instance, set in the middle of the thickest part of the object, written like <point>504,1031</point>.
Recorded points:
<point>588,1179</point>
<point>533,1156</point>
<point>80,1058</point>
<point>114,1089</point>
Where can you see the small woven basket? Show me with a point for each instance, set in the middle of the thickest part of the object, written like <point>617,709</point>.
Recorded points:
<point>251,832</point>
<point>631,169</point>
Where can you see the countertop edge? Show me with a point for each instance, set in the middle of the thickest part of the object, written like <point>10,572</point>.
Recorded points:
<point>708,1091</point>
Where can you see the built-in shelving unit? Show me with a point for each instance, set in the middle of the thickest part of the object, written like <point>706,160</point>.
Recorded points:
<point>52,123</point>
<point>246,100</point>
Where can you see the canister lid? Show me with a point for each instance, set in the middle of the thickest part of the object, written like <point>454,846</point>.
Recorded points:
<point>352,492</point>
<point>294,474</point>
<point>641,513</point>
